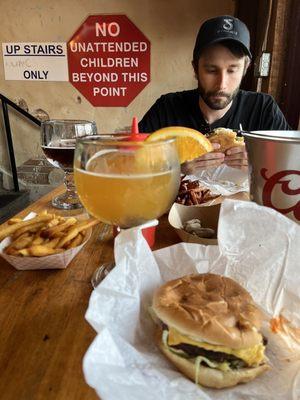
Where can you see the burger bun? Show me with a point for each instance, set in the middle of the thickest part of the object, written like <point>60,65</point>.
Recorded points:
<point>226,138</point>
<point>210,308</point>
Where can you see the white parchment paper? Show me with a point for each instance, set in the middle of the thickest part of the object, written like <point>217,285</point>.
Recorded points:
<point>223,179</point>
<point>258,247</point>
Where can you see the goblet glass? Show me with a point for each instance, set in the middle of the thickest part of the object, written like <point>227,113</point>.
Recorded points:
<point>58,138</point>
<point>125,183</point>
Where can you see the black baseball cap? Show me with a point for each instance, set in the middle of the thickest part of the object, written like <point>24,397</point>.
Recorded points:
<point>218,29</point>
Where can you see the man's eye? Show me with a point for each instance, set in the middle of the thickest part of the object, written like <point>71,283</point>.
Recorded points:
<point>211,71</point>
<point>232,71</point>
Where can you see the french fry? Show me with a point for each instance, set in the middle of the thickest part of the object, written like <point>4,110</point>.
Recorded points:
<point>10,229</point>
<point>22,241</point>
<point>42,251</point>
<point>44,212</point>
<point>11,251</point>
<point>73,232</point>
<point>37,240</point>
<point>75,242</point>
<point>29,228</point>
<point>58,229</point>
<point>13,221</point>
<point>86,224</point>
<point>23,252</point>
<point>53,222</point>
<point>52,243</point>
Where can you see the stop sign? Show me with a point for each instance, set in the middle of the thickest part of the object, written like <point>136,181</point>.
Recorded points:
<point>109,60</point>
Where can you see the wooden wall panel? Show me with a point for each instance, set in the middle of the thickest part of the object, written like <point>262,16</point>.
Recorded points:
<point>276,45</point>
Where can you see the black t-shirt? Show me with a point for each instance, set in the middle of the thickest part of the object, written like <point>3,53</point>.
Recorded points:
<point>254,111</point>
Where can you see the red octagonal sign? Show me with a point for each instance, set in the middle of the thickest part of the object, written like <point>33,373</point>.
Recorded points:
<point>109,60</point>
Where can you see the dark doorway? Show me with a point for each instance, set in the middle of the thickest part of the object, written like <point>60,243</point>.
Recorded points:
<point>290,93</point>
<point>247,12</point>
<point>255,14</point>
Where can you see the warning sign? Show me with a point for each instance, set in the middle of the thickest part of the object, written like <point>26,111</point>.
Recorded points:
<point>109,60</point>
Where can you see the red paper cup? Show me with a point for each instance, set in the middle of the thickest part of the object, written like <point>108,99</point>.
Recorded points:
<point>148,233</point>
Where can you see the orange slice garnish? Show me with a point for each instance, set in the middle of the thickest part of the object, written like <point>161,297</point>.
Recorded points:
<point>190,143</point>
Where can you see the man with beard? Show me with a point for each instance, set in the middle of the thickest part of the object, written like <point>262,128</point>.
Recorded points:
<point>221,57</point>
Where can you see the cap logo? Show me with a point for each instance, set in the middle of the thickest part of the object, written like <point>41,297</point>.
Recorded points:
<point>228,24</point>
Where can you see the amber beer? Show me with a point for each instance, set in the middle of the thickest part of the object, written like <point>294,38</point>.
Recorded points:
<point>127,200</point>
<point>125,194</point>
<point>61,154</point>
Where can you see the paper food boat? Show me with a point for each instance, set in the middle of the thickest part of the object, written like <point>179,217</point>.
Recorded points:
<point>208,216</point>
<point>207,213</point>
<point>54,261</point>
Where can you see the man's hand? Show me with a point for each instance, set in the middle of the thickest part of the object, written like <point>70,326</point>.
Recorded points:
<point>208,160</point>
<point>236,157</point>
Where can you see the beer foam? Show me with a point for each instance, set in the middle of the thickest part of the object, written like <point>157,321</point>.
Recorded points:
<point>59,147</point>
<point>61,143</point>
<point>126,176</point>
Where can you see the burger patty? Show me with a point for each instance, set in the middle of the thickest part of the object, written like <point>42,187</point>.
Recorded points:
<point>194,351</point>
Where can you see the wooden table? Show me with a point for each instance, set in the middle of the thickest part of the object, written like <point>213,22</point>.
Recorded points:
<point>43,333</point>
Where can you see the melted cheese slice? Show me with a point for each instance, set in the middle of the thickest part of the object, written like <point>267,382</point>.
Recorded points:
<point>251,355</point>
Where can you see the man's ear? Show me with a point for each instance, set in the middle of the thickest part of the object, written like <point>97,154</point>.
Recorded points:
<point>247,64</point>
<point>195,68</point>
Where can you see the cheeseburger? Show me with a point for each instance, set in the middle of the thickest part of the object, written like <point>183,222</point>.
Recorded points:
<point>208,326</point>
<point>226,138</point>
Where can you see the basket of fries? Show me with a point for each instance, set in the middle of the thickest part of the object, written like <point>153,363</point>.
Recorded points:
<point>43,241</point>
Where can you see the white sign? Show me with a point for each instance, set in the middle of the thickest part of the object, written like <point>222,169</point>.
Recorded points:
<point>35,61</point>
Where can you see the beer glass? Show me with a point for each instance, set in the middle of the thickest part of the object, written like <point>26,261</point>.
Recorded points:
<point>125,183</point>
<point>58,138</point>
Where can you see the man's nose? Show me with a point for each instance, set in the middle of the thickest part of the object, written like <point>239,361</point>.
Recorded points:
<point>222,81</point>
